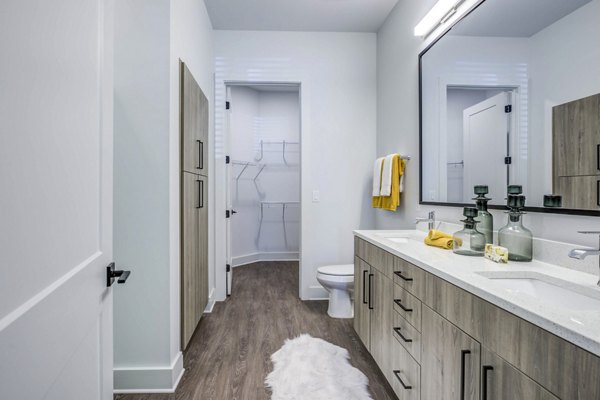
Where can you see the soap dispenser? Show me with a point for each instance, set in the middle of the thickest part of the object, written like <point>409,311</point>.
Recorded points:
<point>484,218</point>
<point>514,236</point>
<point>469,241</point>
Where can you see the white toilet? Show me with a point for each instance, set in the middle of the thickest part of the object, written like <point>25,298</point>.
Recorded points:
<point>339,282</point>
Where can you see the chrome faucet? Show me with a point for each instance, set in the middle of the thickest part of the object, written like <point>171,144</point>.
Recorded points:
<point>580,254</point>
<point>430,220</point>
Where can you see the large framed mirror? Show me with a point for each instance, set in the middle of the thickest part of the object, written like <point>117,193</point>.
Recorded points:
<point>510,95</point>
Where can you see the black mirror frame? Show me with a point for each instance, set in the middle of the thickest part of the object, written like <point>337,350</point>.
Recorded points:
<point>567,211</point>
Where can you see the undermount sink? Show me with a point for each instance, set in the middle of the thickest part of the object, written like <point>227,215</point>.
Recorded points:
<point>399,237</point>
<point>551,291</point>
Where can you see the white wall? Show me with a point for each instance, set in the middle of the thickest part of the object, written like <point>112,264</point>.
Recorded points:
<point>270,116</point>
<point>398,125</point>
<point>337,72</point>
<point>150,37</point>
<point>141,184</point>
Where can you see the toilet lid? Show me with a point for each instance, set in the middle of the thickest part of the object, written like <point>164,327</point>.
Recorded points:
<point>337,270</point>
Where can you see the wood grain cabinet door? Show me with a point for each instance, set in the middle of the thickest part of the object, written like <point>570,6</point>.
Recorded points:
<point>500,380</point>
<point>362,313</point>
<point>194,125</point>
<point>202,279</point>
<point>190,247</point>
<point>382,321</point>
<point>450,360</point>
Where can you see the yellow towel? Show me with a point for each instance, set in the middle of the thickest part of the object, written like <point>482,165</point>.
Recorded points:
<point>393,201</point>
<point>439,239</point>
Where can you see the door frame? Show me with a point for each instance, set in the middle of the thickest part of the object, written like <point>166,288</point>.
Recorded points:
<point>226,178</point>
<point>519,169</point>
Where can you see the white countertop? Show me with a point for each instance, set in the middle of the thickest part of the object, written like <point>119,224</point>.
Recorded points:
<point>581,328</point>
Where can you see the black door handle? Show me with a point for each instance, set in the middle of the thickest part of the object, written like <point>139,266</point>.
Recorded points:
<point>200,193</point>
<point>463,354</point>
<point>200,154</point>
<point>399,333</point>
<point>486,369</point>
<point>233,212</point>
<point>399,303</point>
<point>365,286</point>
<point>370,290</point>
<point>112,274</point>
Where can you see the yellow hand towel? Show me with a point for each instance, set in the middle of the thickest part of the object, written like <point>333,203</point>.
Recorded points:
<point>439,239</point>
<point>392,201</point>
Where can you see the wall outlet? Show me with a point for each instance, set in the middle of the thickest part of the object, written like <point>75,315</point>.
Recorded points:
<point>316,197</point>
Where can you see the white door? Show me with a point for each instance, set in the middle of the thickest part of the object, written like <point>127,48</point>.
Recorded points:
<point>485,145</point>
<point>229,202</point>
<point>55,202</point>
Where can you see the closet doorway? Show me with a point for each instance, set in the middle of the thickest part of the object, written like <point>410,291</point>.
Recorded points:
<point>263,174</point>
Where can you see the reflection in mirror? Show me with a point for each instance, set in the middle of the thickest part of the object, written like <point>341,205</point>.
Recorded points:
<point>508,96</point>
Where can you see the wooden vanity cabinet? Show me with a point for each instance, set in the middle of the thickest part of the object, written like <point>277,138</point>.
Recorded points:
<point>450,360</point>
<point>453,345</point>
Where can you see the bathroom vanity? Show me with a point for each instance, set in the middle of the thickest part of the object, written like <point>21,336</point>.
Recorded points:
<point>443,326</point>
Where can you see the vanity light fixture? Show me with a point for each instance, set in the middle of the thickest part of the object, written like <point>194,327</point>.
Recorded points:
<point>441,12</point>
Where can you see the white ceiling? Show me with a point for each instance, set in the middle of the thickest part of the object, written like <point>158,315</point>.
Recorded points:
<point>299,15</point>
<point>514,18</point>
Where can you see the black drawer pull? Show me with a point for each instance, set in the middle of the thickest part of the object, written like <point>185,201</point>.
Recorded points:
<point>484,378</point>
<point>399,303</point>
<point>398,331</point>
<point>404,385</point>
<point>463,354</point>
<point>399,273</point>
<point>598,193</point>
<point>598,157</point>
<point>365,286</point>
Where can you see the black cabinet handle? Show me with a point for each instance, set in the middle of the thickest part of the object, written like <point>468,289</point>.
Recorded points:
<point>398,331</point>
<point>365,286</point>
<point>404,385</point>
<point>463,355</point>
<point>598,157</point>
<point>112,274</point>
<point>200,193</point>
<point>200,154</point>
<point>370,290</point>
<point>484,376</point>
<point>399,273</point>
<point>399,303</point>
<point>598,193</point>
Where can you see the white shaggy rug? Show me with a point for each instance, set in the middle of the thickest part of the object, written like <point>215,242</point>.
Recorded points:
<point>306,368</point>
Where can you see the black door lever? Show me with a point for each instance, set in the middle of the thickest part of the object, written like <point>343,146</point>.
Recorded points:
<point>112,273</point>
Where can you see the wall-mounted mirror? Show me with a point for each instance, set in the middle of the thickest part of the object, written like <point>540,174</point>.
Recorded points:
<point>511,95</point>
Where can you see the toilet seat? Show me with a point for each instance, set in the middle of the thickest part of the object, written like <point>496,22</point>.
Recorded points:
<point>337,270</point>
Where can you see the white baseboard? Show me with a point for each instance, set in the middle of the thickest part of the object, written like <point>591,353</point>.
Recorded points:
<point>317,293</point>
<point>266,256</point>
<point>211,302</point>
<point>149,379</point>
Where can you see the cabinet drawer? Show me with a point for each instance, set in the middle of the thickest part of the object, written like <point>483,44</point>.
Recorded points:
<point>377,258</point>
<point>408,336</point>
<point>409,277</point>
<point>406,374</point>
<point>408,306</point>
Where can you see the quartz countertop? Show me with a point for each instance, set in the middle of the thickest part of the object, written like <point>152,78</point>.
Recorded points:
<point>581,327</point>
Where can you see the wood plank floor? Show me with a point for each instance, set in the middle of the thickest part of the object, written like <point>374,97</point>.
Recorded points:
<point>229,356</point>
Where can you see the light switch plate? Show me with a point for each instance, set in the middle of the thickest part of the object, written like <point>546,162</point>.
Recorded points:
<point>316,196</point>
